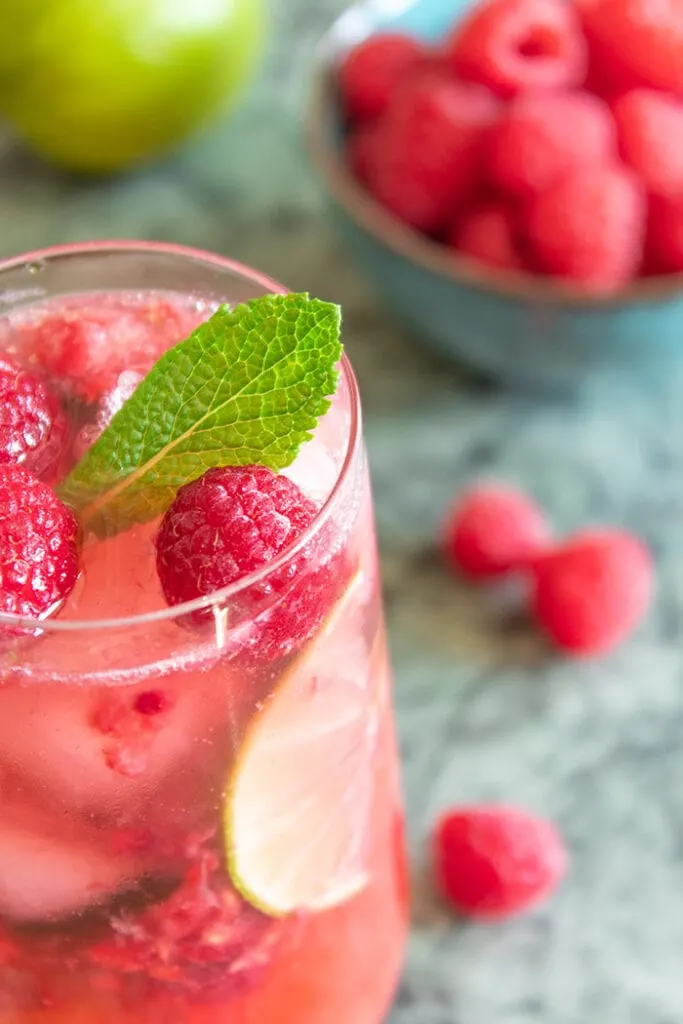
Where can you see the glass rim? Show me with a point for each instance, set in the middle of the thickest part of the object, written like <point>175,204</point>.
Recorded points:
<point>220,597</point>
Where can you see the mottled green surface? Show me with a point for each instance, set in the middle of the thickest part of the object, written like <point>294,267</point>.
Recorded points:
<point>484,712</point>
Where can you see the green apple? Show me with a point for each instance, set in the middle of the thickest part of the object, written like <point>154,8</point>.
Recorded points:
<point>98,85</point>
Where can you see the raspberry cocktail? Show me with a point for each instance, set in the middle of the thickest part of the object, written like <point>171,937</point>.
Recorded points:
<point>201,820</point>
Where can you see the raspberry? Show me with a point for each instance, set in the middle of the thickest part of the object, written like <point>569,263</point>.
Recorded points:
<point>514,45</point>
<point>589,227</point>
<point>232,522</point>
<point>492,862</point>
<point>486,233</point>
<point>202,942</point>
<point>429,149</point>
<point>591,592</point>
<point>373,70</point>
<point>665,234</point>
<point>33,427</point>
<point>361,151</point>
<point>89,350</point>
<point>639,40</point>
<point>544,136</point>
<point>38,546</point>
<point>492,530</point>
<point>650,126</point>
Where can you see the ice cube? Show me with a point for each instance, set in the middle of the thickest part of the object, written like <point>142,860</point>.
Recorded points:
<point>46,874</point>
<point>58,742</point>
<point>314,471</point>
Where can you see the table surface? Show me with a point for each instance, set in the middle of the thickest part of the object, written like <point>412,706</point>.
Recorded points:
<point>484,712</point>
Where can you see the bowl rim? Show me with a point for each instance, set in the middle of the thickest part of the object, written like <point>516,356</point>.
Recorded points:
<point>400,238</point>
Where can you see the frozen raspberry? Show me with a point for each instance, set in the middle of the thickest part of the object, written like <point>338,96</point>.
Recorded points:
<point>665,234</point>
<point>38,546</point>
<point>492,862</point>
<point>486,233</point>
<point>232,522</point>
<point>589,227</point>
<point>373,70</point>
<point>591,592</point>
<point>514,45</point>
<point>361,151</point>
<point>638,41</point>
<point>650,126</point>
<point>89,351</point>
<point>33,427</point>
<point>429,150</point>
<point>544,136</point>
<point>492,530</point>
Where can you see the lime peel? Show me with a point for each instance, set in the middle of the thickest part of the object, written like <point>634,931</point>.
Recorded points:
<point>299,802</point>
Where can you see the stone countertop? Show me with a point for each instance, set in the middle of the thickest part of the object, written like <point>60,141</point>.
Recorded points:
<point>483,711</point>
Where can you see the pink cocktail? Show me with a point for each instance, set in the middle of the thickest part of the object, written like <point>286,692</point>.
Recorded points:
<point>201,818</point>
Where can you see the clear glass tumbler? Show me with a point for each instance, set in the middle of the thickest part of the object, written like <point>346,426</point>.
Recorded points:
<point>199,825</point>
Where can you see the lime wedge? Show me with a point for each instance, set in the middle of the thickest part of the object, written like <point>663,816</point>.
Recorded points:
<point>299,801</point>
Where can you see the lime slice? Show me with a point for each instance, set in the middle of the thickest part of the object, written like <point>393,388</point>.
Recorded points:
<point>299,802</point>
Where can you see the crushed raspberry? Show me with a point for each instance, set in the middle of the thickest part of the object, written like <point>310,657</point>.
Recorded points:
<point>152,702</point>
<point>492,530</point>
<point>38,546</point>
<point>131,724</point>
<point>589,227</point>
<point>545,136</point>
<point>232,522</point>
<point>88,349</point>
<point>492,862</point>
<point>373,70</point>
<point>203,939</point>
<point>665,234</point>
<point>514,45</point>
<point>650,126</point>
<point>639,41</point>
<point>33,426</point>
<point>429,151</point>
<point>591,592</point>
<point>487,233</point>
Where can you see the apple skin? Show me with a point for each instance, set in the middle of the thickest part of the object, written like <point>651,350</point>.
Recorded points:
<point>96,86</point>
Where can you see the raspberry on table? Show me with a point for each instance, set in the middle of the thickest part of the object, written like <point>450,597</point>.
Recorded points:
<point>492,530</point>
<point>515,45</point>
<point>492,862</point>
<point>589,227</point>
<point>665,234</point>
<point>33,427</point>
<point>639,41</point>
<point>544,136</point>
<point>591,592</point>
<point>650,126</point>
<point>38,547</point>
<point>234,521</point>
<point>487,233</point>
<point>429,150</point>
<point>374,69</point>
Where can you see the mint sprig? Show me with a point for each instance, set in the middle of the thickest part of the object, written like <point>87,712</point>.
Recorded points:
<point>247,386</point>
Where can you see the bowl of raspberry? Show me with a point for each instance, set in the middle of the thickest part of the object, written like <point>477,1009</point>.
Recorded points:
<point>509,175</point>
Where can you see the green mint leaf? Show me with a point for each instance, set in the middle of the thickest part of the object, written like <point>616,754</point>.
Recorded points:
<point>247,386</point>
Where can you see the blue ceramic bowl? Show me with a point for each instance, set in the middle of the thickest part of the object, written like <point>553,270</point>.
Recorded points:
<point>517,328</point>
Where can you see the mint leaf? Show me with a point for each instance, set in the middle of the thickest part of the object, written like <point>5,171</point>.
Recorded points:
<point>247,386</point>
